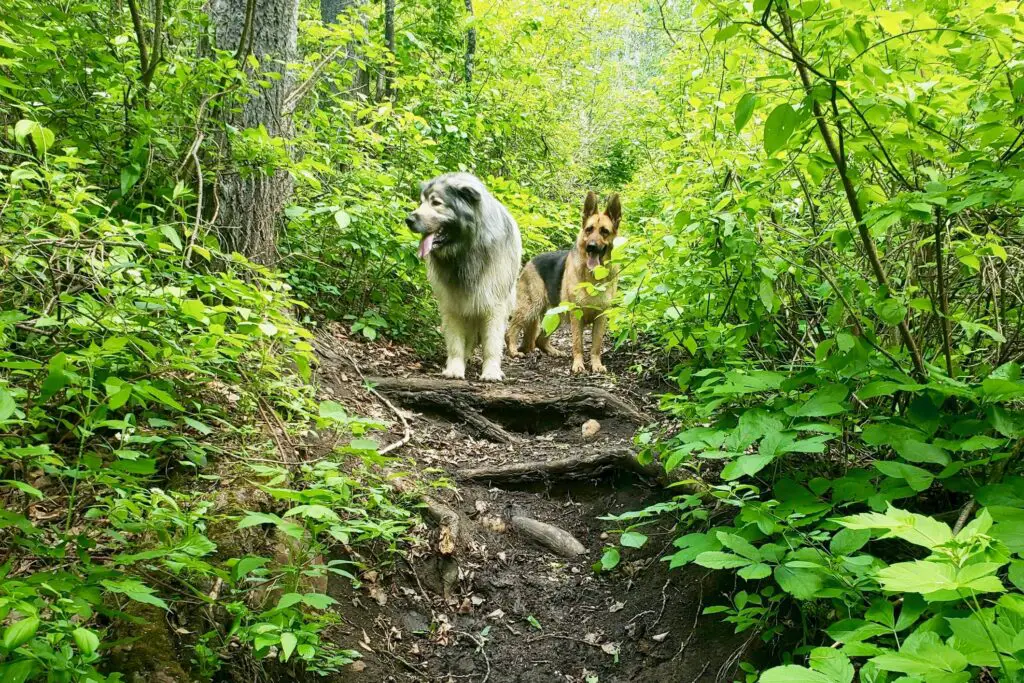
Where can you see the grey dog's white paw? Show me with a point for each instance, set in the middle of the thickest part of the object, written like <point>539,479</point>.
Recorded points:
<point>492,375</point>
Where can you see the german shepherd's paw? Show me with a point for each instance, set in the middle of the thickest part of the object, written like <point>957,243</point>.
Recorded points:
<point>578,367</point>
<point>514,352</point>
<point>553,352</point>
<point>597,366</point>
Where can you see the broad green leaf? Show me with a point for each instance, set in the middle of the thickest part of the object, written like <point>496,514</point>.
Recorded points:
<point>890,311</point>
<point>833,664</point>
<point>20,632</point>
<point>792,673</point>
<point>87,641</point>
<point>246,565</point>
<point>718,560</point>
<point>7,404</point>
<point>744,110</point>
<point>909,526</point>
<point>632,539</point>
<point>288,643</point>
<point>917,478</point>
<point>779,127</point>
<point>849,541</point>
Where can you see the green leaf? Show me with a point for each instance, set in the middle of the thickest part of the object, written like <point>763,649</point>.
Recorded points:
<point>792,673</point>
<point>739,545</point>
<point>129,176</point>
<point>246,565</point>
<point>288,643</point>
<point>890,311</point>
<point>332,410</point>
<point>919,576</point>
<point>917,451</point>
<point>609,560</point>
<point>20,632</point>
<point>779,127</point>
<point>833,664</point>
<point>342,218</point>
<point>727,33</point>
<point>849,541</point>
<point>87,641</point>
<point>718,560</point>
<point>744,110</point>
<point>923,654</point>
<point>1017,574</point>
<point>318,600</point>
<point>755,571</point>
<point>632,539</point>
<point>917,478</point>
<point>745,465</point>
<point>800,582</point>
<point>172,235</point>
<point>24,488</point>
<point>909,526</point>
<point>7,404</point>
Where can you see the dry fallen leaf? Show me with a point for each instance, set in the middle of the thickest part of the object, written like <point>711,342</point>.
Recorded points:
<point>660,637</point>
<point>496,614</point>
<point>616,607</point>
<point>610,649</point>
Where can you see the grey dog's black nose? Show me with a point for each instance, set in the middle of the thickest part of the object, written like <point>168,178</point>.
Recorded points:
<point>410,221</point>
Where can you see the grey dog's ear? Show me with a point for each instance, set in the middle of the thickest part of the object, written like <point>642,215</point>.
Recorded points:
<point>468,191</point>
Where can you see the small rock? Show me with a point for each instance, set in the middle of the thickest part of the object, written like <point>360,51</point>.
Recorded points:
<point>616,607</point>
<point>357,666</point>
<point>591,428</point>
<point>414,622</point>
<point>660,637</point>
<point>496,614</point>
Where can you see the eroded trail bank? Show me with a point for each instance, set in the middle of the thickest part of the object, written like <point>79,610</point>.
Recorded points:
<point>506,589</point>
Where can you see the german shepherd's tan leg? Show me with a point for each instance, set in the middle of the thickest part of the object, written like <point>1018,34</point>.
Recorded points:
<point>577,346</point>
<point>544,344</point>
<point>596,342</point>
<point>529,336</point>
<point>510,338</point>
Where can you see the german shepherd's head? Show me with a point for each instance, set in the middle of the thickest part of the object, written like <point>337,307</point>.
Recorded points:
<point>446,217</point>
<point>597,236</point>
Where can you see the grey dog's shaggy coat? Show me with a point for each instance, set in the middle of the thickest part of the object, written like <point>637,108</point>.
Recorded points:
<point>473,249</point>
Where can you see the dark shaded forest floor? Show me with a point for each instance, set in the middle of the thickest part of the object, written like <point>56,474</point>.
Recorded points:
<point>503,608</point>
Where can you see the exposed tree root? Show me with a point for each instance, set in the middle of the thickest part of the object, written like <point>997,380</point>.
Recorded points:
<point>556,540</point>
<point>482,408</point>
<point>583,466</point>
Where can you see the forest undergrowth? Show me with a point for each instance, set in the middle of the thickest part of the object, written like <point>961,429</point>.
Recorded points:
<point>821,258</point>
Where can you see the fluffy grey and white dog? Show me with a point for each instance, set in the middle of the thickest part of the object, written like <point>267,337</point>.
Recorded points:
<point>472,248</point>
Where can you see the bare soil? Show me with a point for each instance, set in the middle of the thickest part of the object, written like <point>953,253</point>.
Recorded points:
<point>503,608</point>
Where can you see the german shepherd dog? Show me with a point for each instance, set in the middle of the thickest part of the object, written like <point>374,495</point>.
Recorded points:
<point>557,276</point>
<point>473,249</point>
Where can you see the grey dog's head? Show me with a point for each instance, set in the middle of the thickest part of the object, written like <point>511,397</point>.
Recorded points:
<point>447,213</point>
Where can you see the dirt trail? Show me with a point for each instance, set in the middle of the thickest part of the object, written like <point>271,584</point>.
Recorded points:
<point>503,608</point>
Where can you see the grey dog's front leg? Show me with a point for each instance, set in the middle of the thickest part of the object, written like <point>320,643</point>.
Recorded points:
<point>493,343</point>
<point>455,339</point>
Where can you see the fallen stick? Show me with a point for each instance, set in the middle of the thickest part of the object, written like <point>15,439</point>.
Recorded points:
<point>557,540</point>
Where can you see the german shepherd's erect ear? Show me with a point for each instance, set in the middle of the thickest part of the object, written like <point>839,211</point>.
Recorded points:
<point>589,206</point>
<point>614,209</point>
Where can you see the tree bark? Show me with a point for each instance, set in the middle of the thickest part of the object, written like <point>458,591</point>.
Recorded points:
<point>248,205</point>
<point>470,44</point>
<point>389,40</point>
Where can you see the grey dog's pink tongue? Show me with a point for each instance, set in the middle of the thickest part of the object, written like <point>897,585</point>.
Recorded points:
<point>426,244</point>
<point>593,261</point>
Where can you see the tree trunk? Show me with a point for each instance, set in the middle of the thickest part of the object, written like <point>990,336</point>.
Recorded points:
<point>389,40</point>
<point>329,11</point>
<point>248,205</point>
<point>470,44</point>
